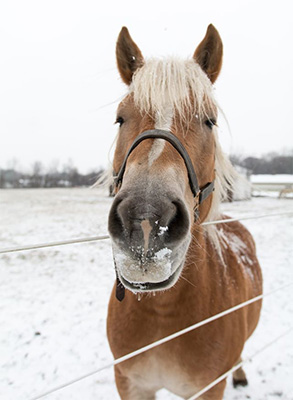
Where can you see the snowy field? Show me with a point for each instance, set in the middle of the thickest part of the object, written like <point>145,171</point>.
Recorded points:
<point>53,302</point>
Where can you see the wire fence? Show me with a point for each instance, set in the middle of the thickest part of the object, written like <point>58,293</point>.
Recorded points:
<point>162,341</point>
<point>175,334</point>
<point>53,244</point>
<point>239,365</point>
<point>103,237</point>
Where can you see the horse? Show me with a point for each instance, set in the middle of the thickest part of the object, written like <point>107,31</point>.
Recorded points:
<point>172,270</point>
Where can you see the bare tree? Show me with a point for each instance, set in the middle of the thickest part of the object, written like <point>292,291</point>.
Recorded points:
<point>52,176</point>
<point>37,174</point>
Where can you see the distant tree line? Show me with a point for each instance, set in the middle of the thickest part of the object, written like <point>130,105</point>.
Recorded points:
<point>271,163</point>
<point>68,176</point>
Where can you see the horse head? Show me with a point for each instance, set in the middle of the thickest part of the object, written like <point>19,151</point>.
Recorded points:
<point>156,205</point>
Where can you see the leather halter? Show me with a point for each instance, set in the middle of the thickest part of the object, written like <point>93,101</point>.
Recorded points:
<point>199,193</point>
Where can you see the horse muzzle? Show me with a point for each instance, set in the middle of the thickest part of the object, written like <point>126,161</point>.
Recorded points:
<point>159,273</point>
<point>150,239</point>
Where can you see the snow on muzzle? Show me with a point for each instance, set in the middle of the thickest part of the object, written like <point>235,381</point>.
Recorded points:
<point>150,240</point>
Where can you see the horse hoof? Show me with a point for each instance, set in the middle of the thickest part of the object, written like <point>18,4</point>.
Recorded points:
<point>239,382</point>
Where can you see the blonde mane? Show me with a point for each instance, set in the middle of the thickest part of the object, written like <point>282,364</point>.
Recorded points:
<point>180,84</point>
<point>224,183</point>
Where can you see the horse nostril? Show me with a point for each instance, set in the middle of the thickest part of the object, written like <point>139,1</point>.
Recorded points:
<point>179,225</point>
<point>115,224</point>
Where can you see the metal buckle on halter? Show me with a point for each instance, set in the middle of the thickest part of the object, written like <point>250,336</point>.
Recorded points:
<point>117,183</point>
<point>196,207</point>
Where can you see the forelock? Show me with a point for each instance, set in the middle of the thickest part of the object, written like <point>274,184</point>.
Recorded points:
<point>173,82</point>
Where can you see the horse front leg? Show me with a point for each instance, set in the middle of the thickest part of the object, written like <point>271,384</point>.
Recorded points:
<point>239,377</point>
<point>129,390</point>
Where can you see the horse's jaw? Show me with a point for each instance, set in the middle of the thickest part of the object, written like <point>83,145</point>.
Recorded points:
<point>161,272</point>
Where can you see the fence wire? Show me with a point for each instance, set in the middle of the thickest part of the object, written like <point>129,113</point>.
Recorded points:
<point>161,341</point>
<point>174,335</point>
<point>239,365</point>
<point>103,237</point>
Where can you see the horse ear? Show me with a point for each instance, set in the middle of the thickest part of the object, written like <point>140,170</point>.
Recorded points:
<point>209,53</point>
<point>128,56</point>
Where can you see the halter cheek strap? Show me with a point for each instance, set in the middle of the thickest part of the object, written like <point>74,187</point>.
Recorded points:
<point>199,193</point>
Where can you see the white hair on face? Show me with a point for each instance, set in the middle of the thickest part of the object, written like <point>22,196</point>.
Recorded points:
<point>181,83</point>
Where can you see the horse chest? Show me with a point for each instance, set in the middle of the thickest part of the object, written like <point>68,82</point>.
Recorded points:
<point>174,366</point>
<point>160,369</point>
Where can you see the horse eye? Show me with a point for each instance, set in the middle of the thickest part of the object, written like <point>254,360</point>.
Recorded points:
<point>119,121</point>
<point>210,123</point>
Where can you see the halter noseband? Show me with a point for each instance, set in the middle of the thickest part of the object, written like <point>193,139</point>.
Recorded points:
<point>199,193</point>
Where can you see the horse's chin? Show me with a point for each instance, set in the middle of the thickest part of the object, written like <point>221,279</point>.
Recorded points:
<point>157,274</point>
<point>142,287</point>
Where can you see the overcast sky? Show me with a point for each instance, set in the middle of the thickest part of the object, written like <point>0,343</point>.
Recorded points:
<point>59,87</point>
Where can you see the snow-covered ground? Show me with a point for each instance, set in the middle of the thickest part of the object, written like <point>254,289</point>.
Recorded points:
<point>53,302</point>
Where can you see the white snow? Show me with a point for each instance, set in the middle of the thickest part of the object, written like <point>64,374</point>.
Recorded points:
<point>53,302</point>
<point>163,254</point>
<point>278,178</point>
<point>162,230</point>
<point>229,239</point>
